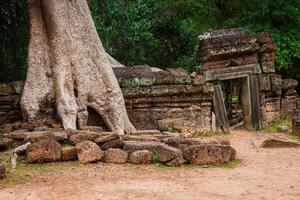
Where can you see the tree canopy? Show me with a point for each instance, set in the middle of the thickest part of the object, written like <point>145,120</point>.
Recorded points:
<point>162,33</point>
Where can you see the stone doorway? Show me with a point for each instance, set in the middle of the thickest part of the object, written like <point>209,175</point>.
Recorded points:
<point>237,99</point>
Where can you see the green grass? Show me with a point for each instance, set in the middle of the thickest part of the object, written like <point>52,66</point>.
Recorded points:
<point>26,172</point>
<point>273,127</point>
<point>294,136</point>
<point>210,133</point>
<point>232,164</point>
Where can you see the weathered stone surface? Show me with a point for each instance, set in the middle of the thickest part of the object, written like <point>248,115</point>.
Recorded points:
<point>43,151</point>
<point>58,136</point>
<point>272,106</point>
<point>198,80</point>
<point>83,136</point>
<point>279,143</point>
<point>163,152</point>
<point>145,132</point>
<point>106,138</point>
<point>112,144</point>
<point>6,143</point>
<point>141,157</point>
<point>2,170</point>
<point>88,152</point>
<point>144,138</point>
<point>164,78</point>
<point>135,76</point>
<point>289,93</point>
<point>264,82</point>
<point>69,154</point>
<point>276,82</point>
<point>264,37</point>
<point>296,123</point>
<point>208,153</point>
<point>96,129</point>
<point>268,67</point>
<point>289,84</point>
<point>115,156</point>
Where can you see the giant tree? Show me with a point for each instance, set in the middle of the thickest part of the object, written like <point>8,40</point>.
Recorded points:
<point>68,65</point>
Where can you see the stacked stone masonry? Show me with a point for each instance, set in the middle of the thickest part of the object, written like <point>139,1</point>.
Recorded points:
<point>236,53</point>
<point>176,100</point>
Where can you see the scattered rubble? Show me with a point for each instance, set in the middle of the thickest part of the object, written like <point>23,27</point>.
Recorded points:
<point>279,143</point>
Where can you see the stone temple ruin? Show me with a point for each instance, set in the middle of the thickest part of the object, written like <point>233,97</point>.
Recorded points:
<point>235,83</point>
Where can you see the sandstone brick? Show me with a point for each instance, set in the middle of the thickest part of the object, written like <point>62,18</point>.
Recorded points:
<point>115,156</point>
<point>141,157</point>
<point>43,151</point>
<point>88,152</point>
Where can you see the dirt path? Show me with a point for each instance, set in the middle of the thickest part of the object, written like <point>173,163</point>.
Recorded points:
<point>267,174</point>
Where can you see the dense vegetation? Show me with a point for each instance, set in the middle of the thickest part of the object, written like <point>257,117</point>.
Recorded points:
<point>162,33</point>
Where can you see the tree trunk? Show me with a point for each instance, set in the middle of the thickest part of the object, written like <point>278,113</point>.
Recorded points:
<point>68,65</point>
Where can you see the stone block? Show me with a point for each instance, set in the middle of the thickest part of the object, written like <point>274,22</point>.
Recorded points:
<point>88,152</point>
<point>106,138</point>
<point>289,93</point>
<point>289,84</point>
<point>199,80</point>
<point>141,157</point>
<point>164,78</point>
<point>2,170</point>
<point>264,82</point>
<point>268,57</point>
<point>276,82</point>
<point>298,103</point>
<point>112,144</point>
<point>296,125</point>
<point>269,47</point>
<point>208,153</point>
<point>264,37</point>
<point>83,136</point>
<point>117,156</point>
<point>162,152</point>
<point>69,154</point>
<point>268,67</point>
<point>43,151</point>
<point>272,106</point>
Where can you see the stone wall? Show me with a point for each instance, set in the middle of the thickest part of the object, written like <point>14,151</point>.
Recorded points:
<point>236,53</point>
<point>155,99</point>
<point>175,100</point>
<point>165,100</point>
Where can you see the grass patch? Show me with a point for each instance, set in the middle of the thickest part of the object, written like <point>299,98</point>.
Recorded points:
<point>273,127</point>
<point>26,172</point>
<point>230,165</point>
<point>211,133</point>
<point>294,136</point>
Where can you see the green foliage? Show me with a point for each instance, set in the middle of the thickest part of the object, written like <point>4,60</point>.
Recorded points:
<point>162,33</point>
<point>274,127</point>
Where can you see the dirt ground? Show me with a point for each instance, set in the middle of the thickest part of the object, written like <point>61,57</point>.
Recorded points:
<point>266,174</point>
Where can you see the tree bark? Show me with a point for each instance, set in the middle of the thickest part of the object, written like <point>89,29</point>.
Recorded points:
<point>68,65</point>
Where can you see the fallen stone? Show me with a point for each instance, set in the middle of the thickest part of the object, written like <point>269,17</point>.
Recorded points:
<point>208,154</point>
<point>145,132</point>
<point>289,84</point>
<point>2,171</point>
<point>88,152</point>
<point>6,143</point>
<point>34,137</point>
<point>69,154</point>
<point>139,138</point>
<point>283,129</point>
<point>43,151</point>
<point>279,143</point>
<point>106,138</point>
<point>96,129</point>
<point>141,157</point>
<point>115,156</point>
<point>112,144</point>
<point>161,151</point>
<point>83,136</point>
